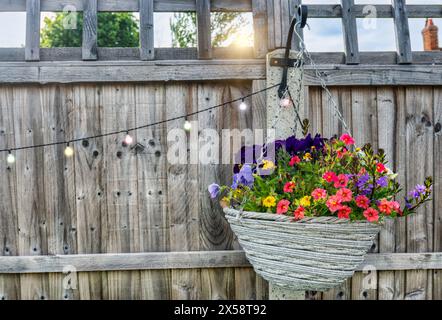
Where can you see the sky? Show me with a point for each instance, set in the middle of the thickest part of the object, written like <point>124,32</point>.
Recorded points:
<point>324,34</point>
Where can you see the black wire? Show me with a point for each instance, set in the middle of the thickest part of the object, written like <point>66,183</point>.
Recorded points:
<point>67,142</point>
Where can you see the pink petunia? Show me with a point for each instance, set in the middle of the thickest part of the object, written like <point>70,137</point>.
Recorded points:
<point>362,202</point>
<point>329,176</point>
<point>294,160</point>
<point>334,203</point>
<point>282,206</point>
<point>344,212</point>
<point>347,139</point>
<point>299,213</point>
<point>385,206</point>
<point>372,215</point>
<point>289,187</point>
<point>341,153</point>
<point>345,194</point>
<point>341,181</point>
<point>380,168</point>
<point>319,193</point>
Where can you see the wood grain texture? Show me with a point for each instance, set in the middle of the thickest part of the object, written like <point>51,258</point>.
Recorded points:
<point>350,32</point>
<point>32,47</point>
<point>146,30</point>
<point>203,29</point>
<point>90,26</point>
<point>9,285</point>
<point>259,8</point>
<point>419,164</point>
<point>402,31</point>
<point>437,190</point>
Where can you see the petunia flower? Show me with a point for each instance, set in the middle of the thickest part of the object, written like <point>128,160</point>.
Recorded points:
<point>319,193</point>
<point>362,201</point>
<point>294,160</point>
<point>283,206</point>
<point>329,176</point>
<point>334,203</point>
<point>341,181</point>
<point>289,187</point>
<point>347,139</point>
<point>299,213</point>
<point>344,212</point>
<point>372,215</point>
<point>345,194</point>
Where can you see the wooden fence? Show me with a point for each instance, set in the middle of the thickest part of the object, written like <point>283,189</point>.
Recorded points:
<point>114,222</point>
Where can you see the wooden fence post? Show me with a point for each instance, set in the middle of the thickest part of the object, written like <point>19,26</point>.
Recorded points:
<point>350,32</point>
<point>89,51</point>
<point>402,31</point>
<point>32,50</point>
<point>203,29</point>
<point>259,10</point>
<point>146,30</point>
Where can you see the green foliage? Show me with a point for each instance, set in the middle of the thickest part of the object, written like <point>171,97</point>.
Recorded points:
<point>114,30</point>
<point>224,25</point>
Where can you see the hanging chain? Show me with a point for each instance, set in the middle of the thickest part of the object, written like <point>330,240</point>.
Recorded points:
<point>322,82</point>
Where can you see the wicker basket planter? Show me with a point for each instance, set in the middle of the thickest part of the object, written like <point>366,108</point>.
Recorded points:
<point>310,254</point>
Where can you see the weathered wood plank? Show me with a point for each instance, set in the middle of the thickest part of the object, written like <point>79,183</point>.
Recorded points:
<point>9,284</point>
<point>31,214</point>
<point>90,184</point>
<point>419,164</point>
<point>152,176</point>
<point>90,25</point>
<point>32,47</point>
<point>204,29</point>
<point>77,72</point>
<point>120,161</point>
<point>191,260</point>
<point>350,32</point>
<point>437,189</point>
<point>146,30</point>
<point>386,135</point>
<point>259,8</point>
<point>402,31</point>
<point>293,8</point>
<point>59,188</point>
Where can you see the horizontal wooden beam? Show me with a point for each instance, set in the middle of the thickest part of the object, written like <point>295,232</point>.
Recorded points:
<point>190,260</point>
<point>382,11</point>
<point>315,10</point>
<point>197,70</point>
<point>133,54</point>
<point>130,5</point>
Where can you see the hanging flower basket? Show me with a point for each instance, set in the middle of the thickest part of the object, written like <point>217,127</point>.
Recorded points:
<point>309,254</point>
<point>307,218</point>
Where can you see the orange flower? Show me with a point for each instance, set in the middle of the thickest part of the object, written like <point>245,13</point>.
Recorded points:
<point>385,206</point>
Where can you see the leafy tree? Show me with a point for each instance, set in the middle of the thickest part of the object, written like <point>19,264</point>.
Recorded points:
<point>223,27</point>
<point>114,30</point>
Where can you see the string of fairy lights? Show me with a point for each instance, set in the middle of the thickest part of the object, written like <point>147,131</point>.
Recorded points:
<point>130,140</point>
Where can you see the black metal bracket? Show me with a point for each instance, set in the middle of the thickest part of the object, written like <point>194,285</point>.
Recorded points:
<point>282,62</point>
<point>301,18</point>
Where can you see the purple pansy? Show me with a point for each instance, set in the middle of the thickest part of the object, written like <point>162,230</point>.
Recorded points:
<point>243,177</point>
<point>214,190</point>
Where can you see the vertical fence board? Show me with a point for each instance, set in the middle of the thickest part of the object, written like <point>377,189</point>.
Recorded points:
<point>9,284</point>
<point>401,28</point>
<point>146,30</point>
<point>386,133</point>
<point>183,189</point>
<point>401,169</point>
<point>419,164</point>
<point>203,29</point>
<point>437,191</point>
<point>59,184</point>
<point>364,122</point>
<point>350,32</point>
<point>215,233</point>
<point>152,186</point>
<point>90,26</point>
<point>121,179</point>
<point>259,11</point>
<point>293,7</point>
<point>30,186</point>
<point>90,184</point>
<point>32,47</point>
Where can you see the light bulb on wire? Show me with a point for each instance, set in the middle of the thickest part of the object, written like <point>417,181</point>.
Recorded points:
<point>187,125</point>
<point>68,151</point>
<point>10,158</point>
<point>128,139</point>
<point>285,102</point>
<point>243,105</point>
